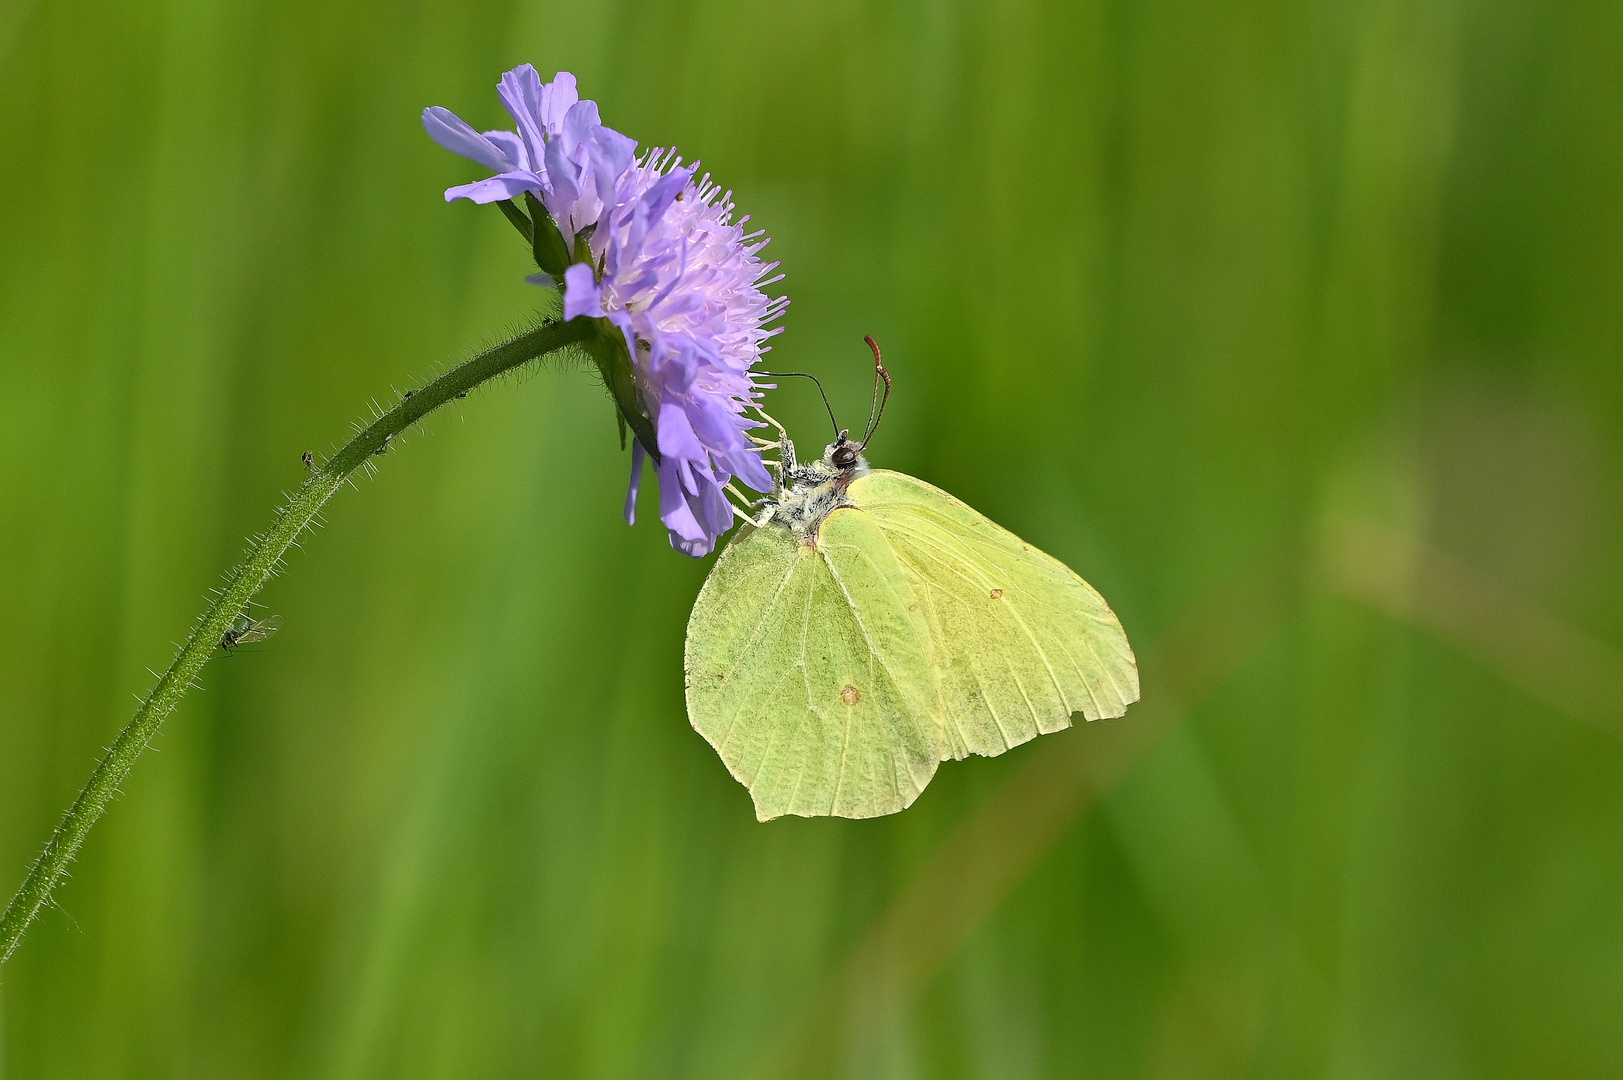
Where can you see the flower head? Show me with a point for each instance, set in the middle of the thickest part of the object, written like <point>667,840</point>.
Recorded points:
<point>670,273</point>
<point>561,153</point>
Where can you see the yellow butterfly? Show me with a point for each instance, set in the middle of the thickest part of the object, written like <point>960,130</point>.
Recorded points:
<point>864,626</point>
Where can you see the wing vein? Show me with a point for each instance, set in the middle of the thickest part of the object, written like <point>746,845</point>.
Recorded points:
<point>867,638</point>
<point>805,684</point>
<point>1014,611</point>
<point>755,635</point>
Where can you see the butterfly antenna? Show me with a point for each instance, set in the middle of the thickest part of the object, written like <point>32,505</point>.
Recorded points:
<point>876,409</point>
<point>813,378</point>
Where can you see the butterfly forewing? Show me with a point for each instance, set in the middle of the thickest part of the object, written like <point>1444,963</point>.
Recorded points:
<point>809,669</point>
<point>1021,641</point>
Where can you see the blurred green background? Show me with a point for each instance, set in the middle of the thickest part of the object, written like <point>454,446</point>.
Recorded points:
<point>1295,328</point>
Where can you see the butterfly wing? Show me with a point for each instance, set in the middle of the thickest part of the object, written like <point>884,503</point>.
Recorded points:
<point>1022,642</point>
<point>809,670</point>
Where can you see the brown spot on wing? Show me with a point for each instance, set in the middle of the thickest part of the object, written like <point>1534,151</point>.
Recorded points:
<point>997,594</point>
<point>850,695</point>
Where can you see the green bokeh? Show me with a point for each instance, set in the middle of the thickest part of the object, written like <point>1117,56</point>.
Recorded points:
<point>1315,303</point>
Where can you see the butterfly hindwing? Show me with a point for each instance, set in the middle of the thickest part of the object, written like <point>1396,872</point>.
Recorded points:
<point>1021,642</point>
<point>809,669</point>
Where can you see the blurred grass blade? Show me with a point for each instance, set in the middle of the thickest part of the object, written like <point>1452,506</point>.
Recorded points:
<point>1525,645</point>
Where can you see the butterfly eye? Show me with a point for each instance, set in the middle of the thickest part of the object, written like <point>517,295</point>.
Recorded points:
<point>845,455</point>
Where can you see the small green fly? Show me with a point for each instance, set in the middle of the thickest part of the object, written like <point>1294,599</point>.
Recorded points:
<point>246,631</point>
<point>863,626</point>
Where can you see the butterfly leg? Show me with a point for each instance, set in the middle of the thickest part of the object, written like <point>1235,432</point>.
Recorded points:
<point>761,447</point>
<point>749,504</point>
<point>785,464</point>
<point>739,513</point>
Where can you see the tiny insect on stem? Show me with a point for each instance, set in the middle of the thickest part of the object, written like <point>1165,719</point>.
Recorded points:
<point>246,631</point>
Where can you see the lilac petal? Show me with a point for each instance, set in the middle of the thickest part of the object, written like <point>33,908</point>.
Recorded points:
<point>673,362</point>
<point>506,186</point>
<point>715,513</point>
<point>712,418</point>
<point>562,174</point>
<point>611,155</point>
<point>646,211</point>
<point>520,91</point>
<point>578,123</point>
<point>677,439</point>
<point>697,549</point>
<point>681,272</point>
<point>637,454</point>
<point>582,294</point>
<point>652,206</point>
<point>673,505</point>
<point>662,194</point>
<point>747,467</point>
<point>450,131</point>
<point>689,478</point>
<point>513,147</point>
<point>716,425</point>
<point>557,98</point>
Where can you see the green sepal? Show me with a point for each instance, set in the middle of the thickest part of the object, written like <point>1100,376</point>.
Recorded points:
<point>546,242</point>
<point>520,221</point>
<point>583,251</point>
<point>607,348</point>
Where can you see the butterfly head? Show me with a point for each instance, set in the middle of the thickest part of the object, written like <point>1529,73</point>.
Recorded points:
<point>842,453</point>
<point>807,493</point>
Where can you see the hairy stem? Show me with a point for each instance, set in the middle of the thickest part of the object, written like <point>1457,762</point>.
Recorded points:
<point>262,561</point>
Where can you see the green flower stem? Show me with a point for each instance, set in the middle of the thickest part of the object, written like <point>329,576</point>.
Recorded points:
<point>262,561</point>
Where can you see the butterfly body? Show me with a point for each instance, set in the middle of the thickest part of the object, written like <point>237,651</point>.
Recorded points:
<point>867,626</point>
<point>812,491</point>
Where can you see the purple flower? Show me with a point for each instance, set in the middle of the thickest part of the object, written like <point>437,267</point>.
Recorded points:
<point>670,270</point>
<point>561,153</point>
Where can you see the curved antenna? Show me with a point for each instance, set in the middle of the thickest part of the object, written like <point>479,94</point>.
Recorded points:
<point>813,378</point>
<point>876,409</point>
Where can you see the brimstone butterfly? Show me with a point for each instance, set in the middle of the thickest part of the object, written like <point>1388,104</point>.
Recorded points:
<point>863,626</point>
